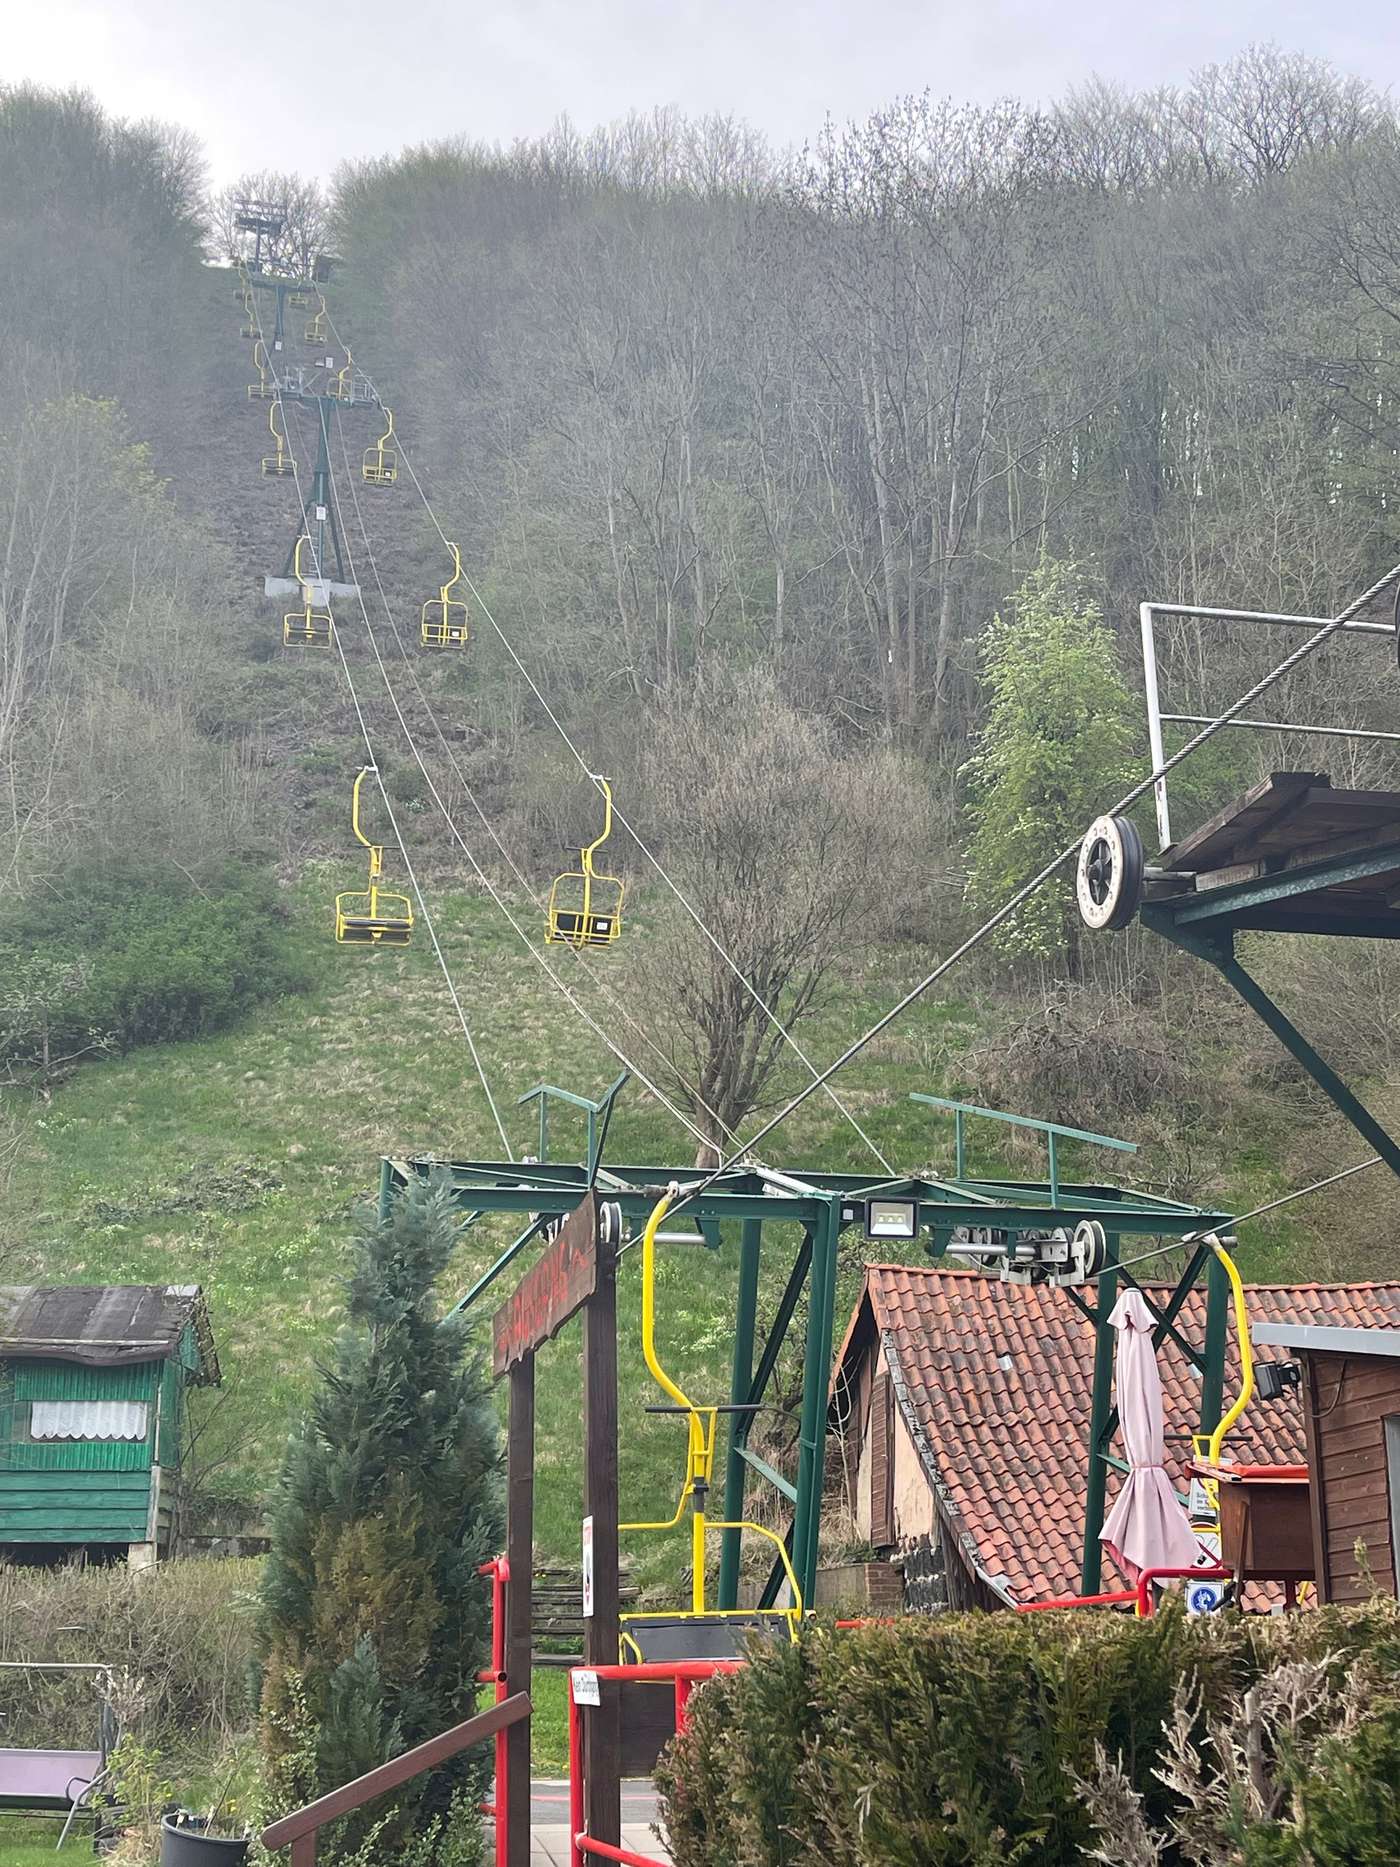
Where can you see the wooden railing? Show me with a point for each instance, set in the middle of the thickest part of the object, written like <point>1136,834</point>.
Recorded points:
<point>299,1829</point>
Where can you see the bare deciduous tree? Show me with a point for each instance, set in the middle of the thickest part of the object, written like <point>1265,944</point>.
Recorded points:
<point>794,850</point>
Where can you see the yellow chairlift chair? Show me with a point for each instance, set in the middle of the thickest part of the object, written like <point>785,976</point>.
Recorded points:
<point>262,390</point>
<point>585,908</point>
<point>278,465</point>
<point>443,623</point>
<point>380,466</point>
<point>698,1632</point>
<point>315,332</point>
<point>307,627</point>
<point>373,916</point>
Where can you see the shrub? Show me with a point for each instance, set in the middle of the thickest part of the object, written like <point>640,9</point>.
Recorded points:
<point>964,1740</point>
<point>182,1633</point>
<point>139,958</point>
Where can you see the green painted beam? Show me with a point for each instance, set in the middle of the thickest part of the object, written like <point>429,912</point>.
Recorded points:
<point>1026,1121</point>
<point>771,1473</point>
<point>741,1374</point>
<point>1225,904</point>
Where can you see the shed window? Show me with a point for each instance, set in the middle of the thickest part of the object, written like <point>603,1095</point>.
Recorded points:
<point>88,1419</point>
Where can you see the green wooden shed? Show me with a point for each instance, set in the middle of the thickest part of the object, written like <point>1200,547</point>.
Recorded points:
<point>94,1380</point>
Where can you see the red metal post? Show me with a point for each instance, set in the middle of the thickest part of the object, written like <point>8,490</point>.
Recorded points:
<point>575,1779</point>
<point>684,1688</point>
<point>499,1571</point>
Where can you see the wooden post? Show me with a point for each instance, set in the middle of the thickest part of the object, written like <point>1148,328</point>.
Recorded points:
<point>603,1726</point>
<point>1096,1478</point>
<point>520,1554</point>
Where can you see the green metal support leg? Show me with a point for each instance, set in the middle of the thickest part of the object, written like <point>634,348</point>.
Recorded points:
<point>815,1378</point>
<point>1220,952</point>
<point>318,520</point>
<point>1217,1321</point>
<point>745,1322</point>
<point>386,1189</point>
<point>1100,1426</point>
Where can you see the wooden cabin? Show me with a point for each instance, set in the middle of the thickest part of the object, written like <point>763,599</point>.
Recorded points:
<point>1351,1413</point>
<point>94,1383</point>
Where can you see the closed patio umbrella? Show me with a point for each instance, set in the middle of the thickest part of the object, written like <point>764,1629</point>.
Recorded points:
<point>1147,1527</point>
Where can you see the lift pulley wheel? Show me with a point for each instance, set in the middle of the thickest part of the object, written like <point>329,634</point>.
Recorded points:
<point>1108,884</point>
<point>1088,1250</point>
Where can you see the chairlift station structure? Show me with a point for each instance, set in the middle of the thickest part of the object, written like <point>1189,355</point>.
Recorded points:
<point>795,1221</point>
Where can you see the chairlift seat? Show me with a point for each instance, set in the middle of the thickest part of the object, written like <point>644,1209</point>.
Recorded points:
<point>584,910</point>
<point>380,466</point>
<point>276,466</point>
<point>260,391</point>
<point>377,918</point>
<point>308,628</point>
<point>444,624</point>
<point>702,1636</point>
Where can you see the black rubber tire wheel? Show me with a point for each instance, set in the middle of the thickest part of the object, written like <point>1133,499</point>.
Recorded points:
<point>1109,879</point>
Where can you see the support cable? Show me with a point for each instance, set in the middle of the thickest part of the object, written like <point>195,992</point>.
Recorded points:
<point>594,978</point>
<point>705,1140</point>
<point>1257,1212</point>
<point>1038,881</point>
<point>423,908</point>
<point>772,1017</point>
<point>784,1033</point>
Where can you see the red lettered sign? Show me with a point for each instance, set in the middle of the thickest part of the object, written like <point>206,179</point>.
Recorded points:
<point>556,1289</point>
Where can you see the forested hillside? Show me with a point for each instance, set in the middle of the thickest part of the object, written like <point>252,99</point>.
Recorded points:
<point>810,496</point>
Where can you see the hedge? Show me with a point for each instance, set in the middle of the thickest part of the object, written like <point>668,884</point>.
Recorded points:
<point>967,1740</point>
<point>178,1640</point>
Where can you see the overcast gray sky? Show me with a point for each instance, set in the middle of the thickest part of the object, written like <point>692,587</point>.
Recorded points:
<point>300,84</point>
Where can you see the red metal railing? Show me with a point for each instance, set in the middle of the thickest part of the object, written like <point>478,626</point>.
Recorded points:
<point>1141,1595</point>
<point>685,1675</point>
<point>1146,1602</point>
<point>1113,1599</point>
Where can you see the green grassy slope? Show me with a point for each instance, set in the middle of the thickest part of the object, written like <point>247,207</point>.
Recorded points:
<point>238,1162</point>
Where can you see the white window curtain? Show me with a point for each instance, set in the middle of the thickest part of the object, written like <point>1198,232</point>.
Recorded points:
<point>88,1419</point>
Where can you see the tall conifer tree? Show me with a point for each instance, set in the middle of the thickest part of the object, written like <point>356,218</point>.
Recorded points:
<point>374,1621</point>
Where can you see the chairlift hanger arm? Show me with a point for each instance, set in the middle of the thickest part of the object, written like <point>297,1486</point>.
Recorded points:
<point>587,854</point>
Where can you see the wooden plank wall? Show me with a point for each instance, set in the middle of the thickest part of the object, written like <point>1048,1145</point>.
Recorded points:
<point>882,1525</point>
<point>1348,1398</point>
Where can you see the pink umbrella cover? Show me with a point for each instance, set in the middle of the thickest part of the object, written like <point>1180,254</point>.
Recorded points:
<point>1147,1528</point>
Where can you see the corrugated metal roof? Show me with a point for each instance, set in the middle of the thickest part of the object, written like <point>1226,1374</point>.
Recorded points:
<point>996,1380</point>
<point>105,1325</point>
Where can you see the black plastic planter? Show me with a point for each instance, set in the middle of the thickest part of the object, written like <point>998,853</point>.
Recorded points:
<point>189,1844</point>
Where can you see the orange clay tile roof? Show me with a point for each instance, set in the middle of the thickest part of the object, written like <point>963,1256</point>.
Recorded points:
<point>997,1377</point>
